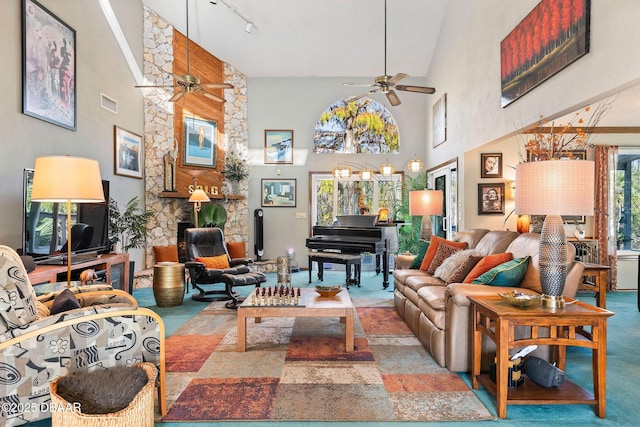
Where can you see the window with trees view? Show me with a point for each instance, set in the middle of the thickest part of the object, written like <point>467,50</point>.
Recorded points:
<point>628,200</point>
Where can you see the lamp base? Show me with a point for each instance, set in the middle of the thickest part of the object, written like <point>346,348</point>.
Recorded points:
<point>552,301</point>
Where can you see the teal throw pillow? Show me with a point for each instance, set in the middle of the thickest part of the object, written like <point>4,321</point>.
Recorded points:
<point>423,245</point>
<point>509,273</point>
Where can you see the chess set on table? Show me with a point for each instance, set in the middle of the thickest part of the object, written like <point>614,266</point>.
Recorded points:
<point>276,296</point>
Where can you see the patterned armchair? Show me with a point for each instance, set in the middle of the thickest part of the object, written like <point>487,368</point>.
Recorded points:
<point>36,347</point>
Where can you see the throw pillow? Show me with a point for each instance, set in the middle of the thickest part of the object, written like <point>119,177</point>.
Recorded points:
<point>451,264</point>
<point>220,261</point>
<point>464,269</point>
<point>486,264</point>
<point>433,248</point>
<point>236,250</point>
<point>443,252</point>
<point>17,297</point>
<point>65,301</point>
<point>509,273</point>
<point>423,245</point>
<point>166,253</point>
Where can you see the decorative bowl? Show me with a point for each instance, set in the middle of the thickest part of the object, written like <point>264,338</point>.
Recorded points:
<point>328,291</point>
<point>520,299</point>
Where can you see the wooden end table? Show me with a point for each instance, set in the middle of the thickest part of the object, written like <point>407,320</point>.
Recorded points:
<point>311,305</point>
<point>497,320</point>
<point>599,284</point>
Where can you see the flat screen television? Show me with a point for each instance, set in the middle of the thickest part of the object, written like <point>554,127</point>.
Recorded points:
<point>44,224</point>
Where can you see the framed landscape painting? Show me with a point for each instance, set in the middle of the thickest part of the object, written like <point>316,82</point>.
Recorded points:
<point>199,142</point>
<point>48,66</point>
<point>278,146</point>
<point>128,153</point>
<point>278,193</point>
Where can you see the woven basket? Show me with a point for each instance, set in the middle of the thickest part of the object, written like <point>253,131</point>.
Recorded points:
<point>139,413</point>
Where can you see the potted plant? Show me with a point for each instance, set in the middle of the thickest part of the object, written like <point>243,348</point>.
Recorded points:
<point>127,229</point>
<point>409,235</point>
<point>236,169</point>
<point>211,215</point>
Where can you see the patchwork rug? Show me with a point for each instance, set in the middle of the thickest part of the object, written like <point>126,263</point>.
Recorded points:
<point>297,369</point>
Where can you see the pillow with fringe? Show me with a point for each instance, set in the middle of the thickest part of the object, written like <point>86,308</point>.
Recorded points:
<point>452,264</point>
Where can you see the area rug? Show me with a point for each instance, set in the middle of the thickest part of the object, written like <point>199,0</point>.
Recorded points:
<point>298,370</point>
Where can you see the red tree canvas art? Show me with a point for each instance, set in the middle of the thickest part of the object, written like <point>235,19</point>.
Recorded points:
<point>552,36</point>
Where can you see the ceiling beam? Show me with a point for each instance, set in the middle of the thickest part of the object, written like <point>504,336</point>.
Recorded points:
<point>595,129</point>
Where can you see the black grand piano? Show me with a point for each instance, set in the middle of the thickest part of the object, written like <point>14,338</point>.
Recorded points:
<point>357,234</point>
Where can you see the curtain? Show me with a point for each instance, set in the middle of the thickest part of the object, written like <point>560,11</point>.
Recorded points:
<point>605,217</point>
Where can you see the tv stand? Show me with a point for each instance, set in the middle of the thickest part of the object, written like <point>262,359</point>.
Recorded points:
<point>116,267</point>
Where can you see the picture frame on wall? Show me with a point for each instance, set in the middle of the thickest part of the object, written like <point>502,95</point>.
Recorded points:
<point>48,67</point>
<point>199,142</point>
<point>491,198</point>
<point>278,193</point>
<point>491,165</point>
<point>129,153</point>
<point>278,146</point>
<point>440,121</point>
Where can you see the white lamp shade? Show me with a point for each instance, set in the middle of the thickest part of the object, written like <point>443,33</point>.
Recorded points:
<point>555,187</point>
<point>199,196</point>
<point>425,202</point>
<point>66,178</point>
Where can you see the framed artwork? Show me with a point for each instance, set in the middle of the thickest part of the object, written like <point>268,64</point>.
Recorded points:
<point>491,165</point>
<point>551,37</point>
<point>440,121</point>
<point>128,153</point>
<point>278,146</point>
<point>199,142</point>
<point>278,193</point>
<point>538,220</point>
<point>491,199</point>
<point>566,154</point>
<point>48,67</point>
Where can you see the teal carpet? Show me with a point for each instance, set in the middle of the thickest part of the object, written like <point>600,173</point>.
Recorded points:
<point>623,369</point>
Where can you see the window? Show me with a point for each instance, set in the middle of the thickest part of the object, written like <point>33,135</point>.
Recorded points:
<point>628,199</point>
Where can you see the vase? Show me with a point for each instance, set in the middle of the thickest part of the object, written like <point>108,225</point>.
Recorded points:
<point>523,223</point>
<point>235,187</point>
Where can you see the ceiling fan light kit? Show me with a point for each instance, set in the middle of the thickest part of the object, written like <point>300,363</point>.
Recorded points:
<point>386,83</point>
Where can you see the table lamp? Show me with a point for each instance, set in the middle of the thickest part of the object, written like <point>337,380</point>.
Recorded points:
<point>554,188</point>
<point>66,179</point>
<point>197,198</point>
<point>425,203</point>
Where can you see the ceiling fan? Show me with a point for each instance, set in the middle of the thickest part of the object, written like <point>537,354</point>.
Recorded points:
<point>189,83</point>
<point>386,83</point>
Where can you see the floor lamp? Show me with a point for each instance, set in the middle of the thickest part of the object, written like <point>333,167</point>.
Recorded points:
<point>554,188</point>
<point>198,197</point>
<point>425,203</point>
<point>66,179</point>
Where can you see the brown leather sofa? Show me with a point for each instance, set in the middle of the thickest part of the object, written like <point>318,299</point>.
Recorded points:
<point>439,314</point>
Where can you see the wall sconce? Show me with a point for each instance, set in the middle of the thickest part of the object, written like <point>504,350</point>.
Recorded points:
<point>197,198</point>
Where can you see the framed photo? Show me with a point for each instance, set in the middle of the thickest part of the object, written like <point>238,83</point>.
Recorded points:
<point>199,142</point>
<point>491,165</point>
<point>566,154</point>
<point>278,146</point>
<point>128,153</point>
<point>279,193</point>
<point>440,121</point>
<point>48,66</point>
<point>491,199</point>
<point>526,56</point>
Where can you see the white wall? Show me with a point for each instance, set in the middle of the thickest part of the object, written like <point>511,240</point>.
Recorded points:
<point>297,103</point>
<point>100,67</point>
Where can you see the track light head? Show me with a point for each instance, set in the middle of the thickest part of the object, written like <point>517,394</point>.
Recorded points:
<point>249,27</point>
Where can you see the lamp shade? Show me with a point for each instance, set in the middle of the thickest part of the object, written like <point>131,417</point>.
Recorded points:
<point>415,165</point>
<point>555,187</point>
<point>199,196</point>
<point>66,178</point>
<point>425,202</point>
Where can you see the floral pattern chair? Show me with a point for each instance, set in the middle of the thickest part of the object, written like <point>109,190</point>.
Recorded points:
<point>108,330</point>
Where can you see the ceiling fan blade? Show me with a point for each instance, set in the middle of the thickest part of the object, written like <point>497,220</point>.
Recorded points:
<point>418,89</point>
<point>359,84</point>
<point>356,97</point>
<point>152,86</point>
<point>217,85</point>
<point>393,98</point>
<point>179,78</point>
<point>213,97</point>
<point>177,95</point>
<point>397,78</point>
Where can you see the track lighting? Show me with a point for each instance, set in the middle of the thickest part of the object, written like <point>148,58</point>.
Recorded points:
<point>249,27</point>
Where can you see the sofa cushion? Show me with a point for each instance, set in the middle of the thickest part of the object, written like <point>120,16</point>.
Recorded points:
<point>17,298</point>
<point>464,268</point>
<point>433,247</point>
<point>417,282</point>
<point>509,273</point>
<point>451,264</point>
<point>402,275</point>
<point>486,264</point>
<point>472,236</point>
<point>443,252</point>
<point>219,262</point>
<point>423,245</point>
<point>65,301</point>
<point>495,242</point>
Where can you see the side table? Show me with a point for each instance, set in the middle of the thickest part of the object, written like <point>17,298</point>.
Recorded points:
<point>497,320</point>
<point>168,283</point>
<point>599,284</point>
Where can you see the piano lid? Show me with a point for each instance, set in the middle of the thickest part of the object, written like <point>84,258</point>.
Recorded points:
<point>356,220</point>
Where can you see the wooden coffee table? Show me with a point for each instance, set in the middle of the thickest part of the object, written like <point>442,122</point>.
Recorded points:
<point>311,305</point>
<point>497,320</point>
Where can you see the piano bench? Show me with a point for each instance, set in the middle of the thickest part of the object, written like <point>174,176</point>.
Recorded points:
<point>348,260</point>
